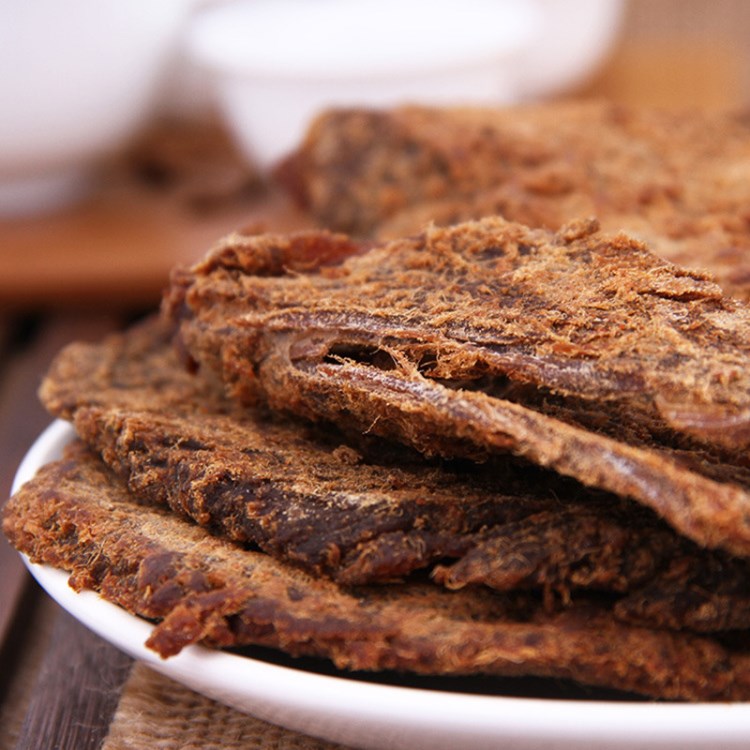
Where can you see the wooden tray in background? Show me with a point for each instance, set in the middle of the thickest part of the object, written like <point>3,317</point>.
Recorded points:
<point>116,249</point>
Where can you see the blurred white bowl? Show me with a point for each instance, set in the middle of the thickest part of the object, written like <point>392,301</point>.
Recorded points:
<point>575,37</point>
<point>77,78</point>
<point>276,63</point>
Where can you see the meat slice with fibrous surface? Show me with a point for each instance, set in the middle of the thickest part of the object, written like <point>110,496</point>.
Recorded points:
<point>578,351</point>
<point>298,490</point>
<point>196,588</point>
<point>675,179</point>
<point>374,512</point>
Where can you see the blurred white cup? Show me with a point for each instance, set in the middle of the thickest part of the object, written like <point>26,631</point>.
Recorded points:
<point>574,38</point>
<point>275,64</point>
<point>77,78</point>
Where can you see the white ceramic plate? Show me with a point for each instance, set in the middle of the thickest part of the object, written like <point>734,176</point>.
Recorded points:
<point>369,713</point>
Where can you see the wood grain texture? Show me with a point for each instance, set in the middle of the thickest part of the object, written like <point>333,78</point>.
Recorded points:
<point>76,692</point>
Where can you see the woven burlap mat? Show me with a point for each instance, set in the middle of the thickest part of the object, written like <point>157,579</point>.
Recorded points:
<point>160,714</point>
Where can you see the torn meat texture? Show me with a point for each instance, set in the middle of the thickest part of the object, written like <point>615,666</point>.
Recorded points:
<point>368,514</point>
<point>677,180</point>
<point>77,516</point>
<point>579,351</point>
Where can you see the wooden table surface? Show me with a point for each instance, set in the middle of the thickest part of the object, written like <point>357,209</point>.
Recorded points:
<point>115,249</point>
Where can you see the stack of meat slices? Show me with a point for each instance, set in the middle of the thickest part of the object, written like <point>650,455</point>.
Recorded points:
<point>483,449</point>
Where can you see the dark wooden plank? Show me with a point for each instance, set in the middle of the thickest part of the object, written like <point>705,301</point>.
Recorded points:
<point>77,691</point>
<point>13,577</point>
<point>21,658</point>
<point>13,581</point>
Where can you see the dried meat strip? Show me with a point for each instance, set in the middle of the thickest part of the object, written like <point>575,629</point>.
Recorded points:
<point>704,597</point>
<point>75,515</point>
<point>677,180</point>
<point>359,516</point>
<point>579,351</point>
<point>356,168</point>
<point>296,490</point>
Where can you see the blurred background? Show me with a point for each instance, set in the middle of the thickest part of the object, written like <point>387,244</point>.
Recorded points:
<point>134,134</point>
<point>679,53</point>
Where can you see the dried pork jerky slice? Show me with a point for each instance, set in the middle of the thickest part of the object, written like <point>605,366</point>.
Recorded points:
<point>581,352</point>
<point>675,179</point>
<point>680,597</point>
<point>378,522</point>
<point>692,589</point>
<point>75,515</point>
<point>357,516</point>
<point>373,522</point>
<point>357,167</point>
